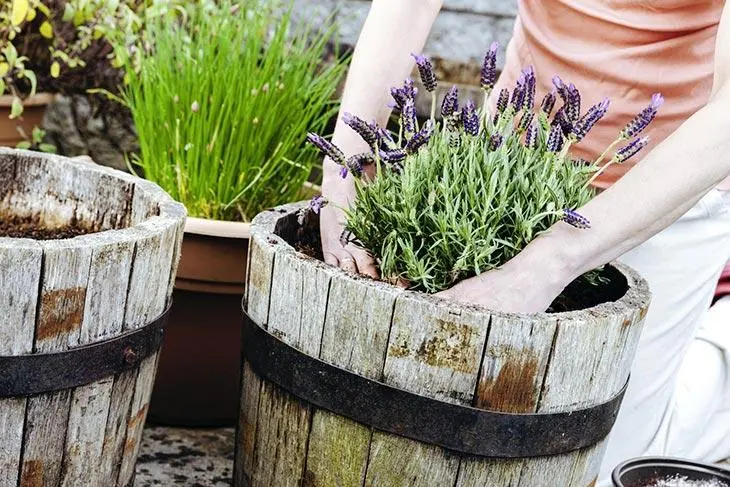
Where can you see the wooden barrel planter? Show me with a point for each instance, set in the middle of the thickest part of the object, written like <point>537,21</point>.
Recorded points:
<point>87,263</point>
<point>349,382</point>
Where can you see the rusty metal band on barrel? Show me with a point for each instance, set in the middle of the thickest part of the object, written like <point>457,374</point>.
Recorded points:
<point>462,429</point>
<point>39,373</point>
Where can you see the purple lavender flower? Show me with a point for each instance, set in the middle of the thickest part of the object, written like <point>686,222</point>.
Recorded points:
<point>357,162</point>
<point>529,99</point>
<point>453,123</point>
<point>489,67</point>
<point>425,69</point>
<point>495,140</point>
<point>420,138</point>
<point>343,172</point>
<point>592,116</point>
<point>572,108</point>
<point>531,136</point>
<point>317,203</point>
<point>392,156</point>
<point>327,148</point>
<point>630,149</point>
<point>502,100</point>
<point>572,217</point>
<point>450,105</point>
<point>470,119</point>
<point>518,93</point>
<point>644,118</point>
<point>548,102</point>
<point>408,117</point>
<point>385,139</point>
<point>560,120</point>
<point>555,139</point>
<point>401,95</point>
<point>367,131</point>
<point>571,98</point>
<point>525,121</point>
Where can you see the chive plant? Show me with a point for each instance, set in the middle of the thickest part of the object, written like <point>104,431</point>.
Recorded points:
<point>222,101</point>
<point>452,198</point>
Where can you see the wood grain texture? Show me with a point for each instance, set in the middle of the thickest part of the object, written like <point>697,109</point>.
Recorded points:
<point>20,274</point>
<point>60,315</point>
<point>457,354</point>
<point>106,295</point>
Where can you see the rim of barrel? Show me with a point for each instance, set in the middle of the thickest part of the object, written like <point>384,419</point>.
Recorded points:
<point>168,207</point>
<point>636,296</point>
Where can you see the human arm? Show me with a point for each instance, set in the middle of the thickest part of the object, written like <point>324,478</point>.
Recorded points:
<point>656,192</point>
<point>393,30</point>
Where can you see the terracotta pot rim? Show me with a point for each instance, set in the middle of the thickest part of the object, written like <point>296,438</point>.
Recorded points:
<point>217,228</point>
<point>32,101</point>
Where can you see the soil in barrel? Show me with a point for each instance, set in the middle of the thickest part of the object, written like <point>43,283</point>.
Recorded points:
<point>15,226</point>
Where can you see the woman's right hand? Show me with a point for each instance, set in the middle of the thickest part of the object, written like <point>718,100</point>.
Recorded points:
<point>349,257</point>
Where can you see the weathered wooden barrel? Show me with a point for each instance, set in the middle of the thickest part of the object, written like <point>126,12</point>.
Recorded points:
<point>351,382</point>
<point>87,263</point>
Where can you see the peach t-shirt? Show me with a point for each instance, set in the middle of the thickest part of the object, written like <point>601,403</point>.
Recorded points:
<point>622,49</point>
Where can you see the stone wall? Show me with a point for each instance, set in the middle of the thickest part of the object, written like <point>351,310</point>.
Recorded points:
<point>462,32</point>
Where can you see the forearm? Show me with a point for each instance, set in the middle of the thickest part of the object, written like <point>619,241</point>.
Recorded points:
<point>657,191</point>
<point>393,30</point>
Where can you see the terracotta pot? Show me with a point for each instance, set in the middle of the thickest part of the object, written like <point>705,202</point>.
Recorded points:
<point>198,376</point>
<point>33,110</point>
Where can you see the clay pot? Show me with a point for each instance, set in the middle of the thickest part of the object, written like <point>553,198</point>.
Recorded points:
<point>34,108</point>
<point>198,376</point>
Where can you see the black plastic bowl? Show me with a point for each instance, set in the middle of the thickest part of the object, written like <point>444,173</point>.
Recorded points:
<point>640,472</point>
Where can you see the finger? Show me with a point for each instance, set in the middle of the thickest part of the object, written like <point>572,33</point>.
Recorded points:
<point>331,259</point>
<point>365,263</point>
<point>348,263</point>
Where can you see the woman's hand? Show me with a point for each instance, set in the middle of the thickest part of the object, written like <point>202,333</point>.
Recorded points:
<point>348,257</point>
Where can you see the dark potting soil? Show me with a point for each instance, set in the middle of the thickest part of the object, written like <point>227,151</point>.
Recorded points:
<point>600,286</point>
<point>14,226</point>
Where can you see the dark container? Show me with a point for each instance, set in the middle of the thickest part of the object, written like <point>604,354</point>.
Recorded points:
<point>645,471</point>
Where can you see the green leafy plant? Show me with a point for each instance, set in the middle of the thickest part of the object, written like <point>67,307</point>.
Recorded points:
<point>222,103</point>
<point>443,201</point>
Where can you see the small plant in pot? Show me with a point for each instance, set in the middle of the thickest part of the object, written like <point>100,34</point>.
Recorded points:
<point>446,200</point>
<point>222,102</point>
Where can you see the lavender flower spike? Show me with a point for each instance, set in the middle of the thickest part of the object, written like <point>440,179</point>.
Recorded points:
<point>572,217</point>
<point>495,141</point>
<point>502,101</point>
<point>470,119</point>
<point>555,139</point>
<point>489,67</point>
<point>425,69</point>
<point>560,120</point>
<point>367,131</point>
<point>420,138</point>
<point>408,117</point>
<point>403,94</point>
<point>450,105</point>
<point>531,136</point>
<point>327,148</point>
<point>630,149</point>
<point>357,162</point>
<point>644,118</point>
<point>317,203</point>
<point>572,107</point>
<point>518,93</point>
<point>529,100</point>
<point>592,116</point>
<point>548,103</point>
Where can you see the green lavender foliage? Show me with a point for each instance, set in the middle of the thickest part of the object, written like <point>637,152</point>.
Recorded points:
<point>459,209</point>
<point>222,101</point>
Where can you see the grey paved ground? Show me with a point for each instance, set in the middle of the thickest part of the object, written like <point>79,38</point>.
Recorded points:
<point>185,457</point>
<point>190,457</point>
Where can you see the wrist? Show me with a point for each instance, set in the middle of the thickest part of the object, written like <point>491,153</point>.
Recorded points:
<point>553,256</point>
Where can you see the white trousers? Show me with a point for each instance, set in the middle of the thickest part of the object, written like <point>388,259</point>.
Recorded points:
<point>678,399</point>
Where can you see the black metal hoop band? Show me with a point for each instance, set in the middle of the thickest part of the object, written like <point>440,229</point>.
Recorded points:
<point>38,373</point>
<point>462,429</point>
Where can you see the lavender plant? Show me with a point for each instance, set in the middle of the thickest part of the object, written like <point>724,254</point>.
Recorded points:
<point>455,197</point>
